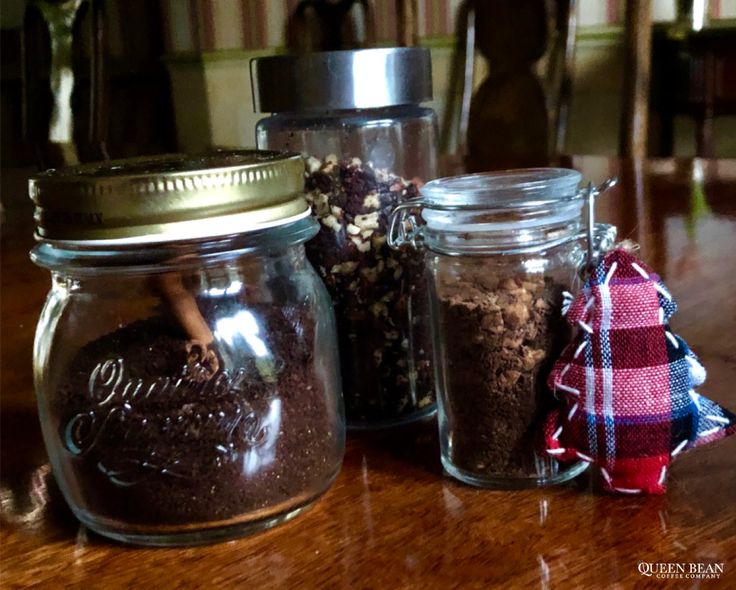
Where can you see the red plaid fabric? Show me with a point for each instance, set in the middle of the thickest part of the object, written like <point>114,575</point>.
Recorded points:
<point>627,382</point>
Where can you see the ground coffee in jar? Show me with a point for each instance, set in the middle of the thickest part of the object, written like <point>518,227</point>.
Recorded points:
<point>186,367</point>
<point>507,325</point>
<point>501,250</point>
<point>368,147</point>
<point>159,436</point>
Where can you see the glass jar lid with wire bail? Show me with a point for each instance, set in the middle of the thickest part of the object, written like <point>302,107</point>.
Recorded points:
<point>502,249</point>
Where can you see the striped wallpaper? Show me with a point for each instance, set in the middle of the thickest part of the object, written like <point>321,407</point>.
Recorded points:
<point>210,25</point>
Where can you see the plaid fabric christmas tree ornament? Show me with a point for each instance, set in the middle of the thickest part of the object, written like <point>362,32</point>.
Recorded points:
<point>627,383</point>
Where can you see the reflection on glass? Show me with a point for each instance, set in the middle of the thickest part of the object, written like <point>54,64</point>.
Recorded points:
<point>13,504</point>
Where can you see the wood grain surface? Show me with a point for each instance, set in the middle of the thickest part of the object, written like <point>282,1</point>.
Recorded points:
<point>392,520</point>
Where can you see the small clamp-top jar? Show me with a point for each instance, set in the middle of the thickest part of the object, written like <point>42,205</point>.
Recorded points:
<point>502,249</point>
<point>356,117</point>
<point>185,361</point>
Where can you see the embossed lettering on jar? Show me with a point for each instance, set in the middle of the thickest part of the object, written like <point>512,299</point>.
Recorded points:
<point>185,361</point>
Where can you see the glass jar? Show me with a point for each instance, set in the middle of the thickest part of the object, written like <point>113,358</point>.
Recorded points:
<point>503,248</point>
<point>368,145</point>
<point>185,360</point>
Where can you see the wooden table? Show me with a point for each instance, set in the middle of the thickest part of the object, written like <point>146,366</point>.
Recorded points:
<point>392,520</point>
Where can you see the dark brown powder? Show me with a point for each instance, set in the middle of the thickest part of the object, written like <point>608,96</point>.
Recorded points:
<point>501,336</point>
<point>153,437</point>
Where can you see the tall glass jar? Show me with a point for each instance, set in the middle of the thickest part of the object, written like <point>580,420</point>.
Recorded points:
<point>502,250</point>
<point>185,361</point>
<point>368,145</point>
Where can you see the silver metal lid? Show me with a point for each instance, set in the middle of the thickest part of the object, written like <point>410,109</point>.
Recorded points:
<point>355,79</point>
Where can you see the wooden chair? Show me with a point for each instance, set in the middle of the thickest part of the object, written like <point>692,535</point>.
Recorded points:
<point>693,74</point>
<point>50,29</point>
<point>696,77</point>
<point>407,12</point>
<point>712,84</point>
<point>321,25</point>
<point>504,123</point>
<point>327,25</point>
<point>514,118</point>
<point>81,100</point>
<point>634,124</point>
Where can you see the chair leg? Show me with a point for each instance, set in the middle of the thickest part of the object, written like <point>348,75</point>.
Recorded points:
<point>704,139</point>
<point>635,111</point>
<point>704,147</point>
<point>407,13</point>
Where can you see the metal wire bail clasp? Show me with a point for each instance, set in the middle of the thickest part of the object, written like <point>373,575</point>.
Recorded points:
<point>600,237</point>
<point>404,227</point>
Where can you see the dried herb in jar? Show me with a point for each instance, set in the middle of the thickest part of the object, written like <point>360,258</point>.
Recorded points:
<point>379,294</point>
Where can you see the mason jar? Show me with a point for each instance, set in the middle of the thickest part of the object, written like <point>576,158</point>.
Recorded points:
<point>368,145</point>
<point>185,361</point>
<point>502,249</point>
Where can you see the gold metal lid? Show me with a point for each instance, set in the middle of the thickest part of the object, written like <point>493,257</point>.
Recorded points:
<point>169,197</point>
